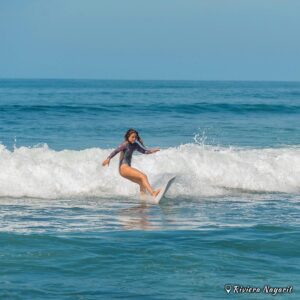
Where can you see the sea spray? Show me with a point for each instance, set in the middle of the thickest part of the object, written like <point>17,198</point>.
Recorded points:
<point>201,171</point>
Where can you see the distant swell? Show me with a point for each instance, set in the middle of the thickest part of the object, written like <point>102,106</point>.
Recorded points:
<point>180,108</point>
<point>201,170</point>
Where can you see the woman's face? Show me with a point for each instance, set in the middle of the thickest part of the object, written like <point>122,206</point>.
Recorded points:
<point>132,138</point>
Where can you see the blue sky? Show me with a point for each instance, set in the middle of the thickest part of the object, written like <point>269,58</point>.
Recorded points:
<point>157,39</point>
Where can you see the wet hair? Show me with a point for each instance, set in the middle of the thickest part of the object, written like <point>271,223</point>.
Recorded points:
<point>129,132</point>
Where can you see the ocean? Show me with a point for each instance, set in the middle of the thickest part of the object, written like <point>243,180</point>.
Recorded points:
<point>73,229</point>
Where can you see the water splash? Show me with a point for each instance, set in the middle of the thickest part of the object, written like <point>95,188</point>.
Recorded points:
<point>45,173</point>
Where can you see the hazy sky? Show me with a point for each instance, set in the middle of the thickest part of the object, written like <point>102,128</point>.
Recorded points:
<point>154,39</point>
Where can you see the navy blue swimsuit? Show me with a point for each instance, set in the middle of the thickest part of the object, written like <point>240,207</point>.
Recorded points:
<point>127,149</point>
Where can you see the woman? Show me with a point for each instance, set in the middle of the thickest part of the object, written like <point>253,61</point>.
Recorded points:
<point>125,169</point>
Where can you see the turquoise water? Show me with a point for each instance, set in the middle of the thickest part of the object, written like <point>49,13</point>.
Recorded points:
<point>72,229</point>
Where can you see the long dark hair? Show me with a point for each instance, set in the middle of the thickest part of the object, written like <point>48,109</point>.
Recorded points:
<point>129,132</point>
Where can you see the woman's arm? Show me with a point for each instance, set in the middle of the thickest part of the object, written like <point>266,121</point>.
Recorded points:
<point>117,150</point>
<point>121,147</point>
<point>144,150</point>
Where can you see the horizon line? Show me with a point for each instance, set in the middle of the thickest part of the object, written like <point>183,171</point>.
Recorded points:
<point>131,79</point>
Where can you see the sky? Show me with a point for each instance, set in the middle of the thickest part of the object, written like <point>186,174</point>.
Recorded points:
<point>154,39</point>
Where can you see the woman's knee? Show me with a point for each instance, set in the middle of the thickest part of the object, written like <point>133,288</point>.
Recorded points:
<point>134,174</point>
<point>144,178</point>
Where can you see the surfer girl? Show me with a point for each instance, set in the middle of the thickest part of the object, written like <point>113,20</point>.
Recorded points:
<point>127,148</point>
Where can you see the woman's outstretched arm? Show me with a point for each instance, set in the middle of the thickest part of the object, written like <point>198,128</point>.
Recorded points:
<point>121,147</point>
<point>144,150</point>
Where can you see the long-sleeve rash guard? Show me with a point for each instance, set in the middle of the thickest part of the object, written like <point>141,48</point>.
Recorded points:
<point>126,149</point>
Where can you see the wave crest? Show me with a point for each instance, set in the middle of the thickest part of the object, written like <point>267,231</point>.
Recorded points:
<point>201,170</point>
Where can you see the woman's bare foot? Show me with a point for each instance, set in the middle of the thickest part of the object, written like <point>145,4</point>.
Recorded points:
<point>155,193</point>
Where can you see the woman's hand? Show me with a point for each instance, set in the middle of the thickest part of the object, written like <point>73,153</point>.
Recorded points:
<point>155,150</point>
<point>106,162</point>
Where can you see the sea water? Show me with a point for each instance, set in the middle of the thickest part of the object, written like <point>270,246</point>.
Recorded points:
<point>73,229</point>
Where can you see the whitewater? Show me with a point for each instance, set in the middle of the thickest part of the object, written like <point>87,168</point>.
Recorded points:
<point>201,170</point>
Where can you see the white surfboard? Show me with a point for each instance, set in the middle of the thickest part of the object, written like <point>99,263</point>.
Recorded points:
<point>164,189</point>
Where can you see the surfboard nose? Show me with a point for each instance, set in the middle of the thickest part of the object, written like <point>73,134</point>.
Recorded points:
<point>164,189</point>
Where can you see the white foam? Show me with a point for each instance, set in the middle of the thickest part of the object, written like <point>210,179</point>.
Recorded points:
<point>200,170</point>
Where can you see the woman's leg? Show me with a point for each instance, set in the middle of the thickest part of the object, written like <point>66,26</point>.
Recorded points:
<point>134,174</point>
<point>139,182</point>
